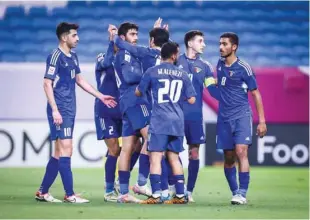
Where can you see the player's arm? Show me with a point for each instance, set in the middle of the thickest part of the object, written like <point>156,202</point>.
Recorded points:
<point>106,99</point>
<point>50,81</point>
<point>250,81</point>
<point>136,51</point>
<point>104,61</point>
<point>144,83</point>
<point>190,92</point>
<point>130,73</point>
<point>210,81</point>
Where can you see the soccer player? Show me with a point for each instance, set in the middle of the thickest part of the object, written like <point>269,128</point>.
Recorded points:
<point>234,123</point>
<point>62,73</point>
<point>108,120</point>
<point>201,74</point>
<point>135,110</point>
<point>149,56</point>
<point>167,83</point>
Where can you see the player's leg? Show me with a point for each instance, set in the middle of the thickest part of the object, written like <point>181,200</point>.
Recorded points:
<point>175,146</point>
<point>224,141</point>
<point>230,170</point>
<point>139,117</point>
<point>243,139</point>
<point>111,134</point>
<point>128,143</point>
<point>164,179</point>
<point>157,144</point>
<point>64,133</point>
<point>194,136</point>
<point>136,153</point>
<point>51,171</point>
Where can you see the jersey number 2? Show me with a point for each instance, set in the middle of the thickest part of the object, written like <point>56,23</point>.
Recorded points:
<point>172,89</point>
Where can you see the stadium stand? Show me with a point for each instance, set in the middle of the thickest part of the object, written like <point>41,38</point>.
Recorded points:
<point>271,33</point>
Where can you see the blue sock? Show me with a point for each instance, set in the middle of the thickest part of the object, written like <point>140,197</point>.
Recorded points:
<point>179,184</point>
<point>144,169</point>
<point>66,174</point>
<point>164,175</point>
<point>124,181</point>
<point>171,180</point>
<point>50,175</point>
<point>231,177</point>
<point>155,183</point>
<point>110,167</point>
<point>193,169</point>
<point>134,158</point>
<point>244,179</point>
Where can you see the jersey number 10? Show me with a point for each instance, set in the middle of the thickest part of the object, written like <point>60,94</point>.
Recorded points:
<point>172,89</point>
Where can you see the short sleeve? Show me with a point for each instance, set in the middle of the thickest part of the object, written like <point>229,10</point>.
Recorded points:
<point>52,65</point>
<point>189,90</point>
<point>248,76</point>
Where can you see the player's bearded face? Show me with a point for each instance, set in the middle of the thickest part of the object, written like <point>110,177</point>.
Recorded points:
<point>226,47</point>
<point>198,44</point>
<point>72,39</point>
<point>132,36</point>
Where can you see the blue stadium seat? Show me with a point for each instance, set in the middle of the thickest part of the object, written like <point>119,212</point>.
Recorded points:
<point>38,12</point>
<point>14,12</point>
<point>271,33</point>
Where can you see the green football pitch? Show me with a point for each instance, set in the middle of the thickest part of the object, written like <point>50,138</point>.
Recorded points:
<point>274,193</point>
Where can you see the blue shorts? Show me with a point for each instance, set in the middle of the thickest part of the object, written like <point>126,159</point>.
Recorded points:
<point>231,133</point>
<point>108,127</point>
<point>194,132</point>
<point>135,118</point>
<point>163,142</point>
<point>63,131</point>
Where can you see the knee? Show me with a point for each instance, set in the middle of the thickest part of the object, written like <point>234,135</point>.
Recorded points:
<point>229,161</point>
<point>242,153</point>
<point>193,153</point>
<point>115,151</point>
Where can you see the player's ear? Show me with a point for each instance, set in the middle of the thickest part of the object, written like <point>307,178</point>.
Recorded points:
<point>234,47</point>
<point>190,43</point>
<point>151,41</point>
<point>122,37</point>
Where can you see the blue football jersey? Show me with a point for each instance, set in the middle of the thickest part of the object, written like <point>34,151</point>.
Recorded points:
<point>106,83</point>
<point>128,75</point>
<point>149,56</point>
<point>234,82</point>
<point>198,70</point>
<point>169,85</point>
<point>62,68</point>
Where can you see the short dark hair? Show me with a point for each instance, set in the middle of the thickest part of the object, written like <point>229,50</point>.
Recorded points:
<point>65,27</point>
<point>125,27</point>
<point>190,35</point>
<point>168,49</point>
<point>160,36</point>
<point>234,39</point>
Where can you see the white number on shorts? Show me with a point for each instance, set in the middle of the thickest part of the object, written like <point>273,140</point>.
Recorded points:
<point>111,130</point>
<point>172,88</point>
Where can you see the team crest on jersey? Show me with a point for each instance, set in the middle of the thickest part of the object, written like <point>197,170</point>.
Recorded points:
<point>181,67</point>
<point>231,73</point>
<point>197,69</point>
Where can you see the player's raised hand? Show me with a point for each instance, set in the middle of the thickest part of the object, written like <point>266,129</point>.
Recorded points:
<point>108,101</point>
<point>261,130</point>
<point>57,118</point>
<point>112,29</point>
<point>157,23</point>
<point>166,27</point>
